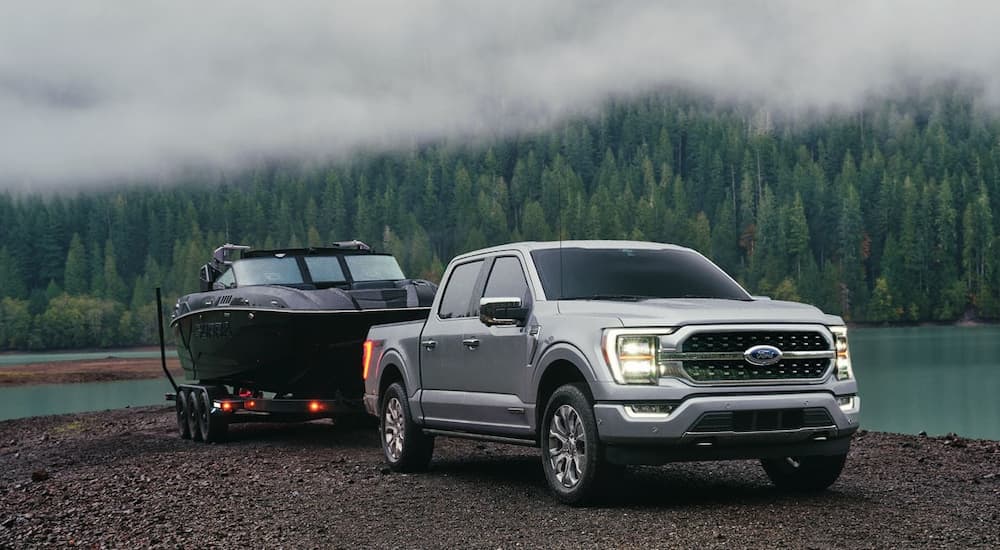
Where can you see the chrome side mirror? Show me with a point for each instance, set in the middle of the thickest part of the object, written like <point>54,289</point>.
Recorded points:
<point>501,311</point>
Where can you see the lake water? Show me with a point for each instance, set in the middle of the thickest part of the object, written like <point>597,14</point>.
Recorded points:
<point>22,401</point>
<point>933,379</point>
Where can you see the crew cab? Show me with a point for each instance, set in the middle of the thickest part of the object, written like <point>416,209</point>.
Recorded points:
<point>611,353</point>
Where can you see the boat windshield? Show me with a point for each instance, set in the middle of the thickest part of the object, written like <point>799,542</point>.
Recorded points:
<point>629,274</point>
<point>325,269</point>
<point>374,268</point>
<point>267,271</point>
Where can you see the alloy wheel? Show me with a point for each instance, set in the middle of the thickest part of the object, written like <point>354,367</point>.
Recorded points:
<point>392,429</point>
<point>567,446</point>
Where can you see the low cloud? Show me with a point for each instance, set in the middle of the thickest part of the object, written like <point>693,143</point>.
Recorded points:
<point>92,92</point>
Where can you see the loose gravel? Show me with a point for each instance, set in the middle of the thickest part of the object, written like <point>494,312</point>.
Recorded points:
<point>123,479</point>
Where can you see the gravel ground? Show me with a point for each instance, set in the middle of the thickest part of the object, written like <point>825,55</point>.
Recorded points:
<point>123,479</point>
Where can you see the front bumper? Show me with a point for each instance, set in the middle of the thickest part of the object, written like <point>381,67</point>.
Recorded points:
<point>681,435</point>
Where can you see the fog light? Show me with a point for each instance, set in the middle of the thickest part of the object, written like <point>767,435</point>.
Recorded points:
<point>650,409</point>
<point>849,403</point>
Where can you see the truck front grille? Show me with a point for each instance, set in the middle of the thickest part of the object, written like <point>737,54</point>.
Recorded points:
<point>762,420</point>
<point>710,357</point>
<point>714,342</point>
<point>788,369</point>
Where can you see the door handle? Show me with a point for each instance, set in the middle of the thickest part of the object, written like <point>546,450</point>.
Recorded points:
<point>429,344</point>
<point>471,343</point>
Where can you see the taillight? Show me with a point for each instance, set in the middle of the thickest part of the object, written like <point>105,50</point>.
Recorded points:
<point>367,358</point>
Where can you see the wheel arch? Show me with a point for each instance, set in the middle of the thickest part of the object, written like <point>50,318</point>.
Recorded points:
<point>562,364</point>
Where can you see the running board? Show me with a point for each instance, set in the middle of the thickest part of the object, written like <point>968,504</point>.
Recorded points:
<point>483,437</point>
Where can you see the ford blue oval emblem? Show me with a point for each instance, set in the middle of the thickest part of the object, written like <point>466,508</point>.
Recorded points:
<point>762,356</point>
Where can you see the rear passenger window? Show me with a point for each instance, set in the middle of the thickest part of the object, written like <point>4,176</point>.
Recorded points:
<point>507,281</point>
<point>458,292</point>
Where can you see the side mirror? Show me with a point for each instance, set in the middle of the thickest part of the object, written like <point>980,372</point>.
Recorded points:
<point>501,311</point>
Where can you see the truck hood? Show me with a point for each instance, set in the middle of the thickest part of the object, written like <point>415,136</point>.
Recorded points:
<point>698,311</point>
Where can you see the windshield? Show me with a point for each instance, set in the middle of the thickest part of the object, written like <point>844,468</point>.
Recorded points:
<point>325,269</point>
<point>373,268</point>
<point>631,274</point>
<point>267,271</point>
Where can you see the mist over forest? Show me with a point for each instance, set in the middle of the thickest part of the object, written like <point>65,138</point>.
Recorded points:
<point>882,213</point>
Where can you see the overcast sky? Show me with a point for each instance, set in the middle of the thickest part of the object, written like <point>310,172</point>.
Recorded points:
<point>99,90</point>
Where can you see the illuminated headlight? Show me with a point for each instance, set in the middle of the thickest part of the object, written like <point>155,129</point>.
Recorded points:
<point>843,370</point>
<point>631,354</point>
<point>849,403</point>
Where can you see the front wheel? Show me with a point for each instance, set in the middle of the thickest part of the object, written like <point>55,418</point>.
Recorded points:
<point>571,451</point>
<point>804,473</point>
<point>406,448</point>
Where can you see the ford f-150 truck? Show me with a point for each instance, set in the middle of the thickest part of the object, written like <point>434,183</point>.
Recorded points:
<point>610,353</point>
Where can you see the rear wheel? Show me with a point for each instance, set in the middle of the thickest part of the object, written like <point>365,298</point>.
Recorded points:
<point>571,451</point>
<point>180,404</point>
<point>405,447</point>
<point>804,473</point>
<point>214,427</point>
<point>193,414</point>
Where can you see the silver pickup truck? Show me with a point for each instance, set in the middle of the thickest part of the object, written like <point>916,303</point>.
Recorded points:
<point>609,353</point>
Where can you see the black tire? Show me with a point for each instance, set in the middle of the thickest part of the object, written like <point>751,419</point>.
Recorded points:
<point>214,427</point>
<point>405,446</point>
<point>180,404</point>
<point>193,414</point>
<point>572,455</point>
<point>804,473</point>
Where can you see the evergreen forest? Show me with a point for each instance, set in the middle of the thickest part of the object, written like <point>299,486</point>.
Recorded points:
<point>879,214</point>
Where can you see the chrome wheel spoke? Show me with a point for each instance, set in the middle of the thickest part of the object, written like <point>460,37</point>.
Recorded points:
<point>567,446</point>
<point>393,432</point>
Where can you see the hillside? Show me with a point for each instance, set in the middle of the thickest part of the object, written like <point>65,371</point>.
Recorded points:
<point>880,214</point>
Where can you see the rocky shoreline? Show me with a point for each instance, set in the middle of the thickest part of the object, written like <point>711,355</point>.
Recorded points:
<point>123,479</point>
<point>109,369</point>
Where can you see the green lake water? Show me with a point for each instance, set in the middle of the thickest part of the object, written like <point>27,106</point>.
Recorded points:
<point>933,379</point>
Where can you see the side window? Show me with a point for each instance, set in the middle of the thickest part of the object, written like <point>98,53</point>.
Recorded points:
<point>458,292</point>
<point>227,279</point>
<point>507,281</point>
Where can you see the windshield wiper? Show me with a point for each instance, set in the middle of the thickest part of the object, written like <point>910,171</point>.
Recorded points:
<point>618,297</point>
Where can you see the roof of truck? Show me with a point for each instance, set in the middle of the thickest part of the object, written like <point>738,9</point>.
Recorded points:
<point>528,246</point>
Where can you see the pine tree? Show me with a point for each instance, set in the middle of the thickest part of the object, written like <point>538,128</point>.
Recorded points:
<point>75,279</point>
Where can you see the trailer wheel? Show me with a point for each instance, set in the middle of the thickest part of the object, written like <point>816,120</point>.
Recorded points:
<point>193,414</point>
<point>180,403</point>
<point>213,426</point>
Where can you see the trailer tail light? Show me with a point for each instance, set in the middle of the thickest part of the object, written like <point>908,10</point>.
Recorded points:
<point>367,358</point>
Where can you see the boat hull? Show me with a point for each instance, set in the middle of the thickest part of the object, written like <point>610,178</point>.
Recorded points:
<point>305,353</point>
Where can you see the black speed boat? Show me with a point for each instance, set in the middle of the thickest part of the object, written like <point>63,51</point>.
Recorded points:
<point>292,321</point>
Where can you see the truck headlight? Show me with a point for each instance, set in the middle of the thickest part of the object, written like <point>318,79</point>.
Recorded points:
<point>632,354</point>
<point>843,369</point>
